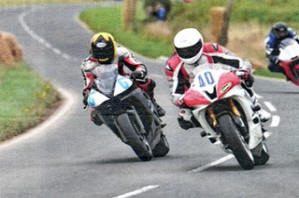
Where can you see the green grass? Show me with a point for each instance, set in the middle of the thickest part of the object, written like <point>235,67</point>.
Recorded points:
<point>264,12</point>
<point>28,2</point>
<point>109,19</point>
<point>24,99</point>
<point>267,73</point>
<point>195,14</point>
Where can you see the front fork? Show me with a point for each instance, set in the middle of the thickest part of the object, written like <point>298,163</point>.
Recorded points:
<point>233,108</point>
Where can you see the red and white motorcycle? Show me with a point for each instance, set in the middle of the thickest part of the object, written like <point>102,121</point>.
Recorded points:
<point>289,59</point>
<point>224,110</point>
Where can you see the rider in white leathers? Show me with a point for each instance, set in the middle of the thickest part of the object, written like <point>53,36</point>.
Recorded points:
<point>192,52</point>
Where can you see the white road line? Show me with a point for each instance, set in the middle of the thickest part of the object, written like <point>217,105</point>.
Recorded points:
<point>138,191</point>
<point>56,51</point>
<point>270,106</point>
<point>38,38</point>
<point>275,121</point>
<point>258,96</point>
<point>219,161</point>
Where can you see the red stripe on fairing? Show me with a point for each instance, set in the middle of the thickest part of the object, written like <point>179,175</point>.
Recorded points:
<point>194,98</point>
<point>228,77</point>
<point>288,72</point>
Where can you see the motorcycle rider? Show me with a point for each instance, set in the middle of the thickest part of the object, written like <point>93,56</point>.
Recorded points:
<point>278,32</point>
<point>104,52</point>
<point>192,52</point>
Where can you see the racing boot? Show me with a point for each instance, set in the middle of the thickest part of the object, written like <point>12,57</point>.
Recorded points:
<point>95,119</point>
<point>186,119</point>
<point>263,114</point>
<point>160,110</point>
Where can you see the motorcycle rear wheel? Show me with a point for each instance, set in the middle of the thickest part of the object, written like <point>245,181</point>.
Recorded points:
<point>138,142</point>
<point>236,142</point>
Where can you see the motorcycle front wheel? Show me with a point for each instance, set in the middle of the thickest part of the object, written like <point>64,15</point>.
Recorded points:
<point>138,142</point>
<point>236,142</point>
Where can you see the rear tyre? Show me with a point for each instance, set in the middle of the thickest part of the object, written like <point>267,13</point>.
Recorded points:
<point>261,154</point>
<point>236,142</point>
<point>162,148</point>
<point>138,142</point>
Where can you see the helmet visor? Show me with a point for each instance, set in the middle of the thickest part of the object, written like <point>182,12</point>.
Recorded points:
<point>282,34</point>
<point>102,53</point>
<point>189,52</point>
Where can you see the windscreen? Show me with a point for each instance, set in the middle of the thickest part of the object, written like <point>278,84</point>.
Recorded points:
<point>106,77</point>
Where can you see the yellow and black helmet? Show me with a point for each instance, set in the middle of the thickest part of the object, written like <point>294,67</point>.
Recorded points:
<point>103,47</point>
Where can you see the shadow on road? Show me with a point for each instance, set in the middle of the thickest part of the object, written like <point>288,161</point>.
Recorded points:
<point>124,160</point>
<point>235,168</point>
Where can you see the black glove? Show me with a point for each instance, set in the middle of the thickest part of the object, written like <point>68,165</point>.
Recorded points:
<point>85,97</point>
<point>246,76</point>
<point>137,75</point>
<point>85,100</point>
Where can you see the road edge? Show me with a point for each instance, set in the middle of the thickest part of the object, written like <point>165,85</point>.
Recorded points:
<point>67,101</point>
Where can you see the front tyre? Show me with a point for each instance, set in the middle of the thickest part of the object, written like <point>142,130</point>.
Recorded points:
<point>138,142</point>
<point>236,142</point>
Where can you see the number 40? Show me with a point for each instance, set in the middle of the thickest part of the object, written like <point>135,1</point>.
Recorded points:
<point>208,79</point>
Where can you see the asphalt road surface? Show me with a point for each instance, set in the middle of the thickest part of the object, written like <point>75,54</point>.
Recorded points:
<point>73,158</point>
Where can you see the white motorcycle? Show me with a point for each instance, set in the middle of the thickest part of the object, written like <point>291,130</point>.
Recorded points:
<point>224,110</point>
<point>128,112</point>
<point>289,59</point>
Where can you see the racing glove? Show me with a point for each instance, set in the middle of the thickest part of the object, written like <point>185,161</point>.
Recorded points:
<point>137,74</point>
<point>245,75</point>
<point>85,97</point>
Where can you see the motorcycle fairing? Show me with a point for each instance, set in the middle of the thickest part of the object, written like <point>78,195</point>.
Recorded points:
<point>226,82</point>
<point>210,86</point>
<point>289,59</point>
<point>122,84</point>
<point>195,98</point>
<point>237,93</point>
<point>289,50</point>
<point>95,98</point>
<point>291,69</point>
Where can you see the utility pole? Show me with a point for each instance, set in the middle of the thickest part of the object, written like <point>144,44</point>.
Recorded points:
<point>129,10</point>
<point>224,31</point>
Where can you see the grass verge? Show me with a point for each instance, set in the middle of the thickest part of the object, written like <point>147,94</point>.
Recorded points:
<point>22,2</point>
<point>152,47</point>
<point>267,73</point>
<point>136,40</point>
<point>25,99</point>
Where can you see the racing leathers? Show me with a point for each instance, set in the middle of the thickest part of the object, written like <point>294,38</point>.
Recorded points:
<point>123,58</point>
<point>272,49</point>
<point>180,77</point>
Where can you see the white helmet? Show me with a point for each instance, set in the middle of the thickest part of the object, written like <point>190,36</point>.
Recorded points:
<point>189,45</point>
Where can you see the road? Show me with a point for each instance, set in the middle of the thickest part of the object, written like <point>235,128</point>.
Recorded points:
<point>73,158</point>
